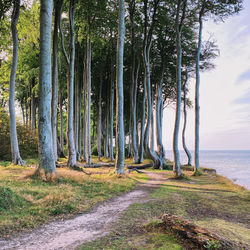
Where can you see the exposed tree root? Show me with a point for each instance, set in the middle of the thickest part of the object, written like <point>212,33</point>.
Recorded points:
<point>202,237</point>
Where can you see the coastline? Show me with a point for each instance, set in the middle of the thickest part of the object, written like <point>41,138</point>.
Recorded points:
<point>232,164</point>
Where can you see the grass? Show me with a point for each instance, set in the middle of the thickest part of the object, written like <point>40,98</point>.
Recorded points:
<point>208,200</point>
<point>26,201</point>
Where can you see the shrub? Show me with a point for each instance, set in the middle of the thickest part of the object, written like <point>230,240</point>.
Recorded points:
<point>27,139</point>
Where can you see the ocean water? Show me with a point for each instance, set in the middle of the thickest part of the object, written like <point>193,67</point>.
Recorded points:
<point>233,164</point>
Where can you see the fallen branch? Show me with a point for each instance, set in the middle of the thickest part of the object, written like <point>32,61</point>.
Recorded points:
<point>134,169</point>
<point>144,166</point>
<point>197,235</point>
<point>97,165</point>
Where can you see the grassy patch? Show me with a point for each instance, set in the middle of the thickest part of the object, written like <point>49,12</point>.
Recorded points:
<point>210,201</point>
<point>26,202</point>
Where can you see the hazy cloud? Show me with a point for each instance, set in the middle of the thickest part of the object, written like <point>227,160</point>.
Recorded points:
<point>244,76</point>
<point>244,99</point>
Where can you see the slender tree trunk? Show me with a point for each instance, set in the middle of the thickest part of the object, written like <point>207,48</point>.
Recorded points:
<point>16,158</point>
<point>143,122</point>
<point>89,159</point>
<point>185,123</point>
<point>119,91</point>
<point>70,122</point>
<point>85,108</point>
<point>46,157</point>
<point>61,122</point>
<point>111,152</point>
<point>152,128</point>
<point>176,166</point>
<point>159,117</point>
<point>99,131</point>
<point>58,10</point>
<point>33,106</point>
<point>107,128</point>
<point>197,98</point>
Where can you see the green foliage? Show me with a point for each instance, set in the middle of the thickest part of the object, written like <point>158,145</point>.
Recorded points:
<point>28,142</point>
<point>212,244</point>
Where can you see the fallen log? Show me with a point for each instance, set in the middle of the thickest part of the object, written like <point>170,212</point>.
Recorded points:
<point>99,165</point>
<point>144,166</point>
<point>199,236</point>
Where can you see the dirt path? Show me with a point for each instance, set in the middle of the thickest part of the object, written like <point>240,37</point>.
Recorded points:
<point>69,234</point>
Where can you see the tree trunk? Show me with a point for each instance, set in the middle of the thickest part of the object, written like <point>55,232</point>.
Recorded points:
<point>16,158</point>
<point>119,91</point>
<point>107,127</point>
<point>189,156</point>
<point>111,152</point>
<point>89,159</point>
<point>46,156</point>
<point>99,131</point>
<point>61,122</point>
<point>176,166</point>
<point>197,98</point>
<point>58,11</point>
<point>143,122</point>
<point>159,116</point>
<point>33,106</point>
<point>152,128</point>
<point>85,108</point>
<point>70,122</point>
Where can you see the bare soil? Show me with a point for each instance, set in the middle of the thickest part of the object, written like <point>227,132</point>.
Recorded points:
<point>68,234</point>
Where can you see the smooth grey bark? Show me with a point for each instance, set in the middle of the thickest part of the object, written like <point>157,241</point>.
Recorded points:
<point>143,122</point>
<point>147,42</point>
<point>133,90</point>
<point>189,156</point>
<point>70,124</point>
<point>112,86</point>
<point>178,27</point>
<point>61,122</point>
<point>46,156</point>
<point>152,127</point>
<point>85,108</point>
<point>119,91</point>
<point>107,127</point>
<point>99,128</point>
<point>159,117</point>
<point>33,106</point>
<point>16,158</point>
<point>197,96</point>
<point>58,11</point>
<point>89,159</point>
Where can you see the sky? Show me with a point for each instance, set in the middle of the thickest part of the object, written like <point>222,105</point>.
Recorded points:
<point>224,91</point>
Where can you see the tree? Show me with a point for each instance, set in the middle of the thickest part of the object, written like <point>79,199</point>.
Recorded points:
<point>16,158</point>
<point>181,5</point>
<point>58,10</point>
<point>46,157</point>
<point>119,91</point>
<point>219,9</point>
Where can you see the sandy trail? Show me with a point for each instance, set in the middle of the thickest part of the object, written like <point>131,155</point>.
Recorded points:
<point>69,234</point>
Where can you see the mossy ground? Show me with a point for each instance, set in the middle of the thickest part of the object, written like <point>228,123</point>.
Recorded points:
<point>32,201</point>
<point>209,200</point>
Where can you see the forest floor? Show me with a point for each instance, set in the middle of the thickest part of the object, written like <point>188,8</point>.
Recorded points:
<point>131,220</point>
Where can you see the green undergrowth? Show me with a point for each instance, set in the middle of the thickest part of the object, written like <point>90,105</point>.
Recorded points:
<point>208,200</point>
<point>27,201</point>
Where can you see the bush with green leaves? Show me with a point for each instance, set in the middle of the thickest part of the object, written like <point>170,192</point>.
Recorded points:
<point>27,139</point>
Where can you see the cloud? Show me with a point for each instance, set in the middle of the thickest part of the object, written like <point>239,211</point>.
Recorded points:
<point>244,99</point>
<point>244,76</point>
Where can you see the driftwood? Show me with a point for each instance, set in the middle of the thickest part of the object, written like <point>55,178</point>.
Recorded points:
<point>144,166</point>
<point>199,236</point>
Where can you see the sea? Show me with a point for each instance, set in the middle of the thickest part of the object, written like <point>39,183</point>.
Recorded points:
<point>233,164</point>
